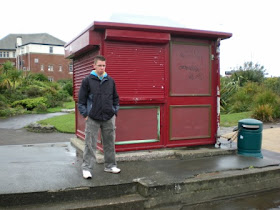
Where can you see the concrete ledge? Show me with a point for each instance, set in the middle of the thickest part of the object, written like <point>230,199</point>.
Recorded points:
<point>175,153</point>
<point>208,187</point>
<point>147,194</point>
<point>76,195</point>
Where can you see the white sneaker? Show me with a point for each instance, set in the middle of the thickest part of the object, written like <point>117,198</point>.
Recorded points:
<point>113,170</point>
<point>86,174</point>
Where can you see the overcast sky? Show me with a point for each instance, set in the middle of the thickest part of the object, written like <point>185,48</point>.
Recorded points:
<point>253,23</point>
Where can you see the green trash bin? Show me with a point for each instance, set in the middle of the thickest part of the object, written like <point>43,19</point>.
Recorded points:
<point>249,141</point>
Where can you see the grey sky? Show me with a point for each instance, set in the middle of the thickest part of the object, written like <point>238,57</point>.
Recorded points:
<point>253,23</point>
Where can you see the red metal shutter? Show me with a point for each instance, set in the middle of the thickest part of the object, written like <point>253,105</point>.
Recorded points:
<point>82,67</point>
<point>126,62</point>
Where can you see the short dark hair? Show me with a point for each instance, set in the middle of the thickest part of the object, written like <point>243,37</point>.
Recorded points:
<point>99,58</point>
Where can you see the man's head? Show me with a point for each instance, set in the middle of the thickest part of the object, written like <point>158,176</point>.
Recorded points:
<point>99,64</point>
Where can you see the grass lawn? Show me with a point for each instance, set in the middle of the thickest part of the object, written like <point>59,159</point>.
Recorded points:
<point>63,123</point>
<point>66,105</point>
<point>228,120</point>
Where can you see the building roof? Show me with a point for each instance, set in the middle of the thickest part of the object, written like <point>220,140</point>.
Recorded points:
<point>83,43</point>
<point>9,41</point>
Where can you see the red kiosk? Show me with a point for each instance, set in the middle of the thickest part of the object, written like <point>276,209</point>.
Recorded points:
<point>167,79</point>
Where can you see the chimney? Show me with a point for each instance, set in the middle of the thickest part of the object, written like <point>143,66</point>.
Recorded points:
<point>19,41</point>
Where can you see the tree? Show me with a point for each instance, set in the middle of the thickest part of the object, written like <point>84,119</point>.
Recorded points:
<point>10,77</point>
<point>228,89</point>
<point>249,72</point>
<point>15,77</point>
<point>7,66</point>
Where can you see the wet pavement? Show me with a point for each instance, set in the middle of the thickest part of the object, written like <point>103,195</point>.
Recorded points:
<point>50,167</point>
<point>21,121</point>
<point>55,167</point>
<point>22,136</point>
<point>49,163</point>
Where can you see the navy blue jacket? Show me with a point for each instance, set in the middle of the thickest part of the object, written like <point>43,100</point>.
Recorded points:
<point>98,99</point>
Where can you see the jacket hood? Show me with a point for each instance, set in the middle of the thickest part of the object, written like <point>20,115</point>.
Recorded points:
<point>93,72</point>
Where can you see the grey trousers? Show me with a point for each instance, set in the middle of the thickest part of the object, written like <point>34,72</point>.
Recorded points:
<point>108,135</point>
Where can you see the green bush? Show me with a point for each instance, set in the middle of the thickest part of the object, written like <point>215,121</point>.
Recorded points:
<point>242,100</point>
<point>273,83</point>
<point>41,108</point>
<point>34,91</point>
<point>263,113</point>
<point>249,72</point>
<point>69,88</point>
<point>52,100</point>
<point>67,85</point>
<point>54,85</point>
<point>40,77</point>
<point>30,91</point>
<point>63,96</point>
<point>266,97</point>
<point>30,103</point>
<point>8,112</point>
<point>266,100</point>
<point>41,84</point>
<point>49,90</point>
<point>3,105</point>
<point>3,101</point>
<point>13,95</point>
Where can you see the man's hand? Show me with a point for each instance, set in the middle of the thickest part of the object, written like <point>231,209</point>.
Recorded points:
<point>86,117</point>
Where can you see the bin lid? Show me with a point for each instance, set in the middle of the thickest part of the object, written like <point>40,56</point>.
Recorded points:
<point>250,122</point>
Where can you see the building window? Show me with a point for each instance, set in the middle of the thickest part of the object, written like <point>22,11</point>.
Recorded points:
<point>70,68</point>
<point>21,63</point>
<point>0,54</point>
<point>8,54</point>
<point>4,54</point>
<point>60,68</point>
<point>51,49</point>
<point>50,67</point>
<point>50,79</point>
<point>42,67</point>
<point>14,54</point>
<point>36,60</point>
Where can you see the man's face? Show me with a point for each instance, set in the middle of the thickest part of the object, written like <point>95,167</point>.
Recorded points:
<point>100,66</point>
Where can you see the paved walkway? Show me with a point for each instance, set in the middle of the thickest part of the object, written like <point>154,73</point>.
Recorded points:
<point>270,139</point>
<point>21,121</point>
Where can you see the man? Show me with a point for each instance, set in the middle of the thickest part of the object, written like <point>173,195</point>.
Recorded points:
<point>99,103</point>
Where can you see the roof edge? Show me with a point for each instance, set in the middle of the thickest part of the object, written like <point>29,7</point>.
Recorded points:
<point>153,28</point>
<point>167,29</point>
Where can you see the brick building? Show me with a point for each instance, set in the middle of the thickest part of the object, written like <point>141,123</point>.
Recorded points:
<point>37,53</point>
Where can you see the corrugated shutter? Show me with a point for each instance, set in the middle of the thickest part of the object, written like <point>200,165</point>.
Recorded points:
<point>126,62</point>
<point>82,67</point>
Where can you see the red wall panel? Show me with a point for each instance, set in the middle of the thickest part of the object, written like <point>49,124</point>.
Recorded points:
<point>190,72</point>
<point>189,122</point>
<point>137,123</point>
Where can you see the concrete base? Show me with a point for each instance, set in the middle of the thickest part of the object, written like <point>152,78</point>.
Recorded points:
<point>182,153</point>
